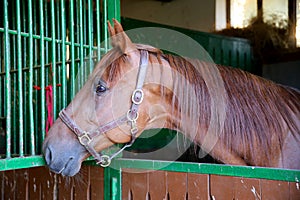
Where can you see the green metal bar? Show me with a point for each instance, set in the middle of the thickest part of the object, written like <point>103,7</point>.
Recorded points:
<point>7,81</point>
<point>81,43</point>
<point>84,25</point>
<point>112,184</point>
<point>98,25</point>
<point>106,43</point>
<point>14,86</point>
<point>90,34</point>
<point>203,168</point>
<point>20,80</point>
<point>25,75</point>
<point>37,67</point>
<point>58,29</point>
<point>113,9</point>
<point>42,72</point>
<point>72,51</point>
<point>24,45</point>
<point>58,53</point>
<point>21,163</point>
<point>46,33</point>
<point>25,111</point>
<point>2,85</point>
<point>30,89</point>
<point>34,5</point>
<point>35,74</point>
<point>53,59</point>
<point>48,39</point>
<point>63,58</point>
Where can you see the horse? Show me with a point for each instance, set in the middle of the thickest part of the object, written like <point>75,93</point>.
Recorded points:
<point>237,117</point>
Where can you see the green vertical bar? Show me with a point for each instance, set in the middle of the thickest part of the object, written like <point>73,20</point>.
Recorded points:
<point>7,82</point>
<point>84,24</point>
<point>81,42</point>
<point>63,58</point>
<point>72,67</point>
<point>77,84</point>
<point>112,184</point>
<point>46,32</point>
<point>25,108</point>
<point>90,34</point>
<point>98,30</point>
<point>114,9</point>
<point>58,53</point>
<point>58,29</point>
<point>14,85</point>
<point>25,75</point>
<point>42,72</point>
<point>24,45</point>
<point>35,72</point>
<point>30,93</point>
<point>105,25</point>
<point>53,55</point>
<point>20,80</point>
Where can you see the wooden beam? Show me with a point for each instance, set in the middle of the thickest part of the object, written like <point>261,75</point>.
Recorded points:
<point>292,22</point>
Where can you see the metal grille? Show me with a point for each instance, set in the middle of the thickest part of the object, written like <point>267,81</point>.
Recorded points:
<point>44,45</point>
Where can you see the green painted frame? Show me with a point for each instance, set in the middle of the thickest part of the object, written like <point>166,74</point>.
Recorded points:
<point>113,174</point>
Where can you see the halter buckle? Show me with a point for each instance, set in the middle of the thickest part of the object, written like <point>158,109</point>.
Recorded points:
<point>84,139</point>
<point>137,96</point>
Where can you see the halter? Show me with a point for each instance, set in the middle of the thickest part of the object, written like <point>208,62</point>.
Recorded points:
<point>85,138</point>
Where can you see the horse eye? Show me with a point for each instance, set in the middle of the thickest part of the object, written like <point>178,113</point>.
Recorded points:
<point>100,89</point>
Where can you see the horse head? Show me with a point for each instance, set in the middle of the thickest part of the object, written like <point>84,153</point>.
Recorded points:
<point>112,107</point>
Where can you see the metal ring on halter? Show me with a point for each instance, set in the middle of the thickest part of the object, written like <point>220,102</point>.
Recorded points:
<point>132,119</point>
<point>134,94</point>
<point>105,162</point>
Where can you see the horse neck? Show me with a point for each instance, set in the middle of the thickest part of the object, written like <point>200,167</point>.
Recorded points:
<point>176,106</point>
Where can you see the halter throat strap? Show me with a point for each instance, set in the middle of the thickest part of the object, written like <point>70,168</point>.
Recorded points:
<point>85,138</point>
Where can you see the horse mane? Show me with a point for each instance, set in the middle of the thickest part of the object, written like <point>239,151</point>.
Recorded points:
<point>258,112</point>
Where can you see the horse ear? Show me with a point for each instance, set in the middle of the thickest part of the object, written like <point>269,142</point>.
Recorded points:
<point>111,31</point>
<point>119,38</point>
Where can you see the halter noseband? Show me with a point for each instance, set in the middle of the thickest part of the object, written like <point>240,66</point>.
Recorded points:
<point>85,138</point>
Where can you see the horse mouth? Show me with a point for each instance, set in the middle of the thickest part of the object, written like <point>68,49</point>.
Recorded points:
<point>66,165</point>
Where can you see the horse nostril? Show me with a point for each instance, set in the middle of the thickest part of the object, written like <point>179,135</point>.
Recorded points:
<point>48,155</point>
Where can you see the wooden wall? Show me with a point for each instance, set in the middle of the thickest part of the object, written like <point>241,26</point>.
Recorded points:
<point>40,184</point>
<point>177,185</point>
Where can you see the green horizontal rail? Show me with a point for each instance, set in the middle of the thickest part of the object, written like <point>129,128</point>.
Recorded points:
<point>204,168</point>
<point>21,162</point>
<point>46,65</point>
<point>48,39</point>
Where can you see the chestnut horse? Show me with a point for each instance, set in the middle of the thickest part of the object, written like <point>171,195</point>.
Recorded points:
<point>236,117</point>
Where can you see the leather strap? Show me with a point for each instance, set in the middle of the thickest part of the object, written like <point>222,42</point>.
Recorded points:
<point>85,138</point>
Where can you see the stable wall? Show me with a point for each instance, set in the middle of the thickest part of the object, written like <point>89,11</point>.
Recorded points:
<point>191,14</point>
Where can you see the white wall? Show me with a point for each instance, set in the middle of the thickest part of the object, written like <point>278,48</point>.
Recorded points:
<point>191,14</point>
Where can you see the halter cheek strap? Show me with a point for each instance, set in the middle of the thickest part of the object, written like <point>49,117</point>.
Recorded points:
<point>85,138</point>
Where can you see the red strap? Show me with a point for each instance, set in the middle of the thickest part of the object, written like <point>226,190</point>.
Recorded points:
<point>49,103</point>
